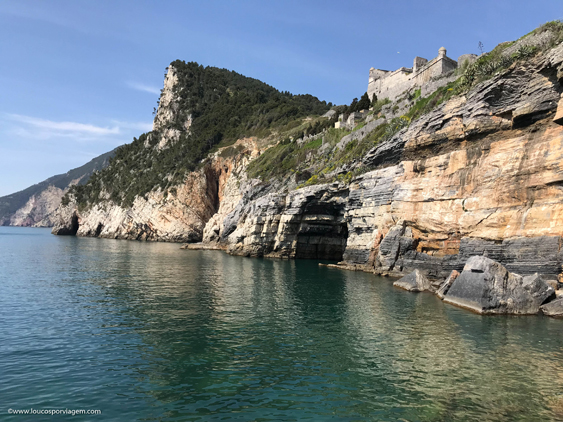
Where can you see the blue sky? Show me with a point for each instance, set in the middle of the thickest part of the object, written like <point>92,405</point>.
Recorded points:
<point>81,77</point>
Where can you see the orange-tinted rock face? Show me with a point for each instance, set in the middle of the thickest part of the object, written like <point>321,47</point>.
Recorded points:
<point>482,173</point>
<point>507,185</point>
<point>492,190</point>
<point>499,195</point>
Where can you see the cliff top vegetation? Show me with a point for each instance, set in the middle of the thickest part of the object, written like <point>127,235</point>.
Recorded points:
<point>222,107</point>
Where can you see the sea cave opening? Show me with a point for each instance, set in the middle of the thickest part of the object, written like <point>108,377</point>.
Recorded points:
<point>325,241</point>
<point>74,225</point>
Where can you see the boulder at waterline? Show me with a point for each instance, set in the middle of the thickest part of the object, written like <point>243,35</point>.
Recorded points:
<point>486,287</point>
<point>414,282</point>
<point>445,286</point>
<point>553,309</point>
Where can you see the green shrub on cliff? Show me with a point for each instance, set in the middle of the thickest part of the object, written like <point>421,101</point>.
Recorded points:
<point>497,60</point>
<point>378,105</point>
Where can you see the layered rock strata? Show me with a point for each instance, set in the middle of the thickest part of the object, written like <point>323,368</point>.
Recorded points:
<point>482,174</point>
<point>486,287</point>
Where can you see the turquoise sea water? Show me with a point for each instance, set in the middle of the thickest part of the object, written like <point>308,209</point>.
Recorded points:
<point>149,332</point>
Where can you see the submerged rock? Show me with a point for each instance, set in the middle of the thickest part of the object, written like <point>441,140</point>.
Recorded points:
<point>553,309</point>
<point>486,287</point>
<point>414,282</point>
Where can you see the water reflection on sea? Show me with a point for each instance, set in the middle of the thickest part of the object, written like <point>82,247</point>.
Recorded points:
<point>146,331</point>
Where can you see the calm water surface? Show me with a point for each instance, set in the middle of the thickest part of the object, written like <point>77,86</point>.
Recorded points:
<point>149,332</point>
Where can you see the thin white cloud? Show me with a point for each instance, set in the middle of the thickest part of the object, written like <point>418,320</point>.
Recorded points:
<point>144,88</point>
<point>64,127</point>
<point>33,129</point>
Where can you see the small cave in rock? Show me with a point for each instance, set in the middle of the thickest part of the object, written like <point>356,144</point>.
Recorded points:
<point>324,240</point>
<point>74,225</point>
<point>213,187</point>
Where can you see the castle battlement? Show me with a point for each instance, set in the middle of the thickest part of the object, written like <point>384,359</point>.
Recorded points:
<point>391,84</point>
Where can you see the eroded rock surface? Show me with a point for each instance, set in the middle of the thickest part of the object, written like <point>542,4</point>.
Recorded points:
<point>414,282</point>
<point>553,309</point>
<point>179,216</point>
<point>486,287</point>
<point>445,286</point>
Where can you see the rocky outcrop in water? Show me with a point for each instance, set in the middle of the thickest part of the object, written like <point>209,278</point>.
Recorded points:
<point>414,282</point>
<point>486,287</point>
<point>553,309</point>
<point>445,286</point>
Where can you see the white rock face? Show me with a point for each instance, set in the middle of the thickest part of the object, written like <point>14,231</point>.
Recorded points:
<point>232,193</point>
<point>39,209</point>
<point>179,216</point>
<point>166,111</point>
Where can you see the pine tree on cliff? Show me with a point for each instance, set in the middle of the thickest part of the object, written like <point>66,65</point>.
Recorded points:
<point>353,106</point>
<point>364,102</point>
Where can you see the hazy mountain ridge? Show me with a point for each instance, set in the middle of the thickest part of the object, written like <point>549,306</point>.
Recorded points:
<point>34,205</point>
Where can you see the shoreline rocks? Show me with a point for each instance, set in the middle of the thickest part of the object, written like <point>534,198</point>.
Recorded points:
<point>445,286</point>
<point>414,282</point>
<point>487,287</point>
<point>553,309</point>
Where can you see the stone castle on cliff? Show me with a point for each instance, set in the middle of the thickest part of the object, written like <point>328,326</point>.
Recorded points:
<point>391,84</point>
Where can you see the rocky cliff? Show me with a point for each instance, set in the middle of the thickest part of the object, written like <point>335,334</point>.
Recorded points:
<point>36,205</point>
<point>480,174</point>
<point>177,215</point>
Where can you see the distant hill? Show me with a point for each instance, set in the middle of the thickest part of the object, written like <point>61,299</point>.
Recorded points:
<point>33,206</point>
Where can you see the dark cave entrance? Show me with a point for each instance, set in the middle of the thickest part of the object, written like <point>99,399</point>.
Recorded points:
<point>322,240</point>
<point>73,225</point>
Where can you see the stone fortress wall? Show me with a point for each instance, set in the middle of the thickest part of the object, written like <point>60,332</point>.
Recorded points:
<point>392,84</point>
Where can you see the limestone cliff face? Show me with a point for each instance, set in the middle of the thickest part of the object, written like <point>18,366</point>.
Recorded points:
<point>481,174</point>
<point>179,215</point>
<point>38,211</point>
<point>36,205</point>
